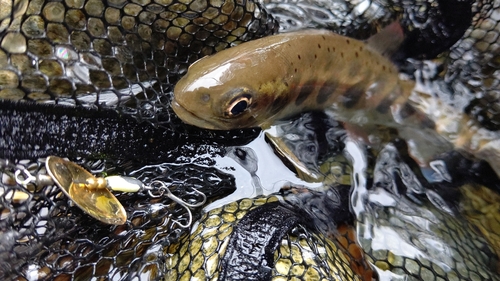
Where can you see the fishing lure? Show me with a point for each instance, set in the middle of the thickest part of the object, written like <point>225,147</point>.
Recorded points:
<point>273,78</point>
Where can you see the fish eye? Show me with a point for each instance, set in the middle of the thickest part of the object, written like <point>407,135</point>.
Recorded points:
<point>238,105</point>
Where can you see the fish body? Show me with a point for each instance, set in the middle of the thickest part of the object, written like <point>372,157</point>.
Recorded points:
<point>272,78</point>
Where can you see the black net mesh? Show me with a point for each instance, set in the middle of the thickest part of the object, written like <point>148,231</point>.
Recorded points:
<point>45,237</point>
<point>116,54</point>
<point>101,74</point>
<point>474,63</point>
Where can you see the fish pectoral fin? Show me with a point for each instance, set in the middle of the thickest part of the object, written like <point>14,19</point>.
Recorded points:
<point>388,40</point>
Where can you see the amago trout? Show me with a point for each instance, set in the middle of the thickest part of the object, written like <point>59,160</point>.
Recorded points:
<point>272,78</point>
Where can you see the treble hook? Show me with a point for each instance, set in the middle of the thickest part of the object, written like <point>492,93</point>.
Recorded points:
<point>163,187</point>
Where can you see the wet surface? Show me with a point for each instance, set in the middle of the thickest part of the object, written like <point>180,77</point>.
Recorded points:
<point>363,202</point>
<point>410,221</point>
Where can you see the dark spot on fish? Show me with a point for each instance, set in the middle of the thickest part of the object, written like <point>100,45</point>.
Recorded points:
<point>323,37</point>
<point>428,123</point>
<point>348,42</point>
<point>298,56</point>
<point>383,67</point>
<point>333,49</point>
<point>304,93</point>
<point>324,93</point>
<point>360,48</point>
<point>356,53</point>
<point>295,70</point>
<point>319,46</point>
<point>328,49</point>
<point>279,103</point>
<point>342,54</point>
<point>315,56</point>
<point>408,110</point>
<point>353,95</point>
<point>385,105</point>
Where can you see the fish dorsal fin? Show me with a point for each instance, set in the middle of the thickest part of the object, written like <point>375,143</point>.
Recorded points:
<point>388,40</point>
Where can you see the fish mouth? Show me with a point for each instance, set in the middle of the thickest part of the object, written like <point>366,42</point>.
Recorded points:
<point>191,118</point>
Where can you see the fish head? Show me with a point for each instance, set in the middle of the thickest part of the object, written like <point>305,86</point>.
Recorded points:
<point>229,90</point>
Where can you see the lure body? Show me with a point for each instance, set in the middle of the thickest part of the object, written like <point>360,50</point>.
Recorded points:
<point>261,81</point>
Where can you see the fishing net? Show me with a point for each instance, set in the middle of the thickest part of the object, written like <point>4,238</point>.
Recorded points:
<point>45,236</point>
<point>102,73</point>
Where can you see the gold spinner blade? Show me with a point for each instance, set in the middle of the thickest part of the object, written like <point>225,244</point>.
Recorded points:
<point>88,192</point>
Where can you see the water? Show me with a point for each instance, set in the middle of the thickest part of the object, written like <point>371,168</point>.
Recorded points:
<point>408,195</point>
<point>407,222</point>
